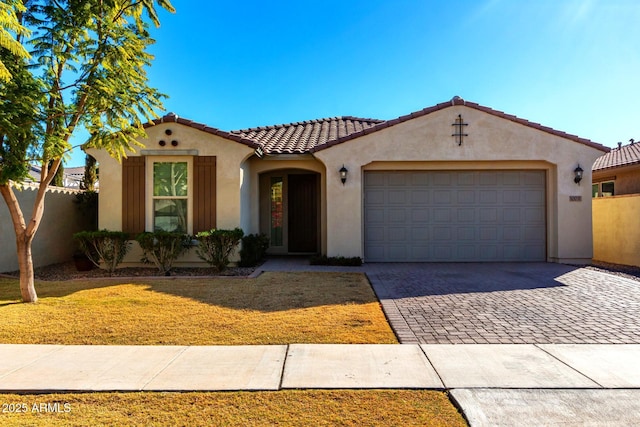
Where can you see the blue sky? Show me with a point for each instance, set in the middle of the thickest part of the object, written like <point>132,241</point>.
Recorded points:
<point>573,65</point>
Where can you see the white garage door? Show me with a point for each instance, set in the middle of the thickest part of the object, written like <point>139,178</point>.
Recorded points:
<point>413,216</point>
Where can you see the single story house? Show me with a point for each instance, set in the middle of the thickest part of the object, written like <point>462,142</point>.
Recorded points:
<point>617,172</point>
<point>453,182</point>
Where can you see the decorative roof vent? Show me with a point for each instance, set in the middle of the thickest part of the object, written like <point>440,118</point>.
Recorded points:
<point>456,100</point>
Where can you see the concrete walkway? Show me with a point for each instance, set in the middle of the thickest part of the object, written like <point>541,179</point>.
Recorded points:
<point>492,384</point>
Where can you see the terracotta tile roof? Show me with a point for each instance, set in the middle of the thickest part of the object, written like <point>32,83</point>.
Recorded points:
<point>456,100</point>
<point>303,137</point>
<point>173,118</point>
<point>624,155</point>
<point>314,135</point>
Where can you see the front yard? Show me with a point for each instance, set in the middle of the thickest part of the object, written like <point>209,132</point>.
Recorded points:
<point>275,308</point>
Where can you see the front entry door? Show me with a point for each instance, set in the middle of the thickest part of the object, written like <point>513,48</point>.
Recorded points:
<point>303,213</point>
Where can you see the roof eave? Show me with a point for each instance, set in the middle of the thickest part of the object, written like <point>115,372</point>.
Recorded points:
<point>172,118</point>
<point>457,101</point>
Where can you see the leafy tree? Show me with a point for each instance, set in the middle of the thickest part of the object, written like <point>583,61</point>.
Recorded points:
<point>87,69</point>
<point>9,25</point>
<point>90,174</point>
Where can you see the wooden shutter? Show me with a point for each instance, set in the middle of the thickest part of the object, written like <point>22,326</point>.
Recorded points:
<point>133,202</point>
<point>204,193</point>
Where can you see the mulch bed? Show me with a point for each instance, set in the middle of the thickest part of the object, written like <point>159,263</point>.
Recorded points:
<point>68,271</point>
<point>626,271</point>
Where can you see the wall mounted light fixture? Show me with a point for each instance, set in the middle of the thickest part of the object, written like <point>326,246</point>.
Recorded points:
<point>578,175</point>
<point>343,174</point>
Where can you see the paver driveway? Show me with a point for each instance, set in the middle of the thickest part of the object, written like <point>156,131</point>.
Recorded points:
<point>537,303</point>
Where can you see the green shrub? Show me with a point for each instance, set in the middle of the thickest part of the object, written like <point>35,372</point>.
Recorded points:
<point>162,248</point>
<point>336,260</point>
<point>215,246</point>
<point>254,248</point>
<point>104,246</point>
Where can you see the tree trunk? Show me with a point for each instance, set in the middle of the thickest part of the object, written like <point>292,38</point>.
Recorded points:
<point>24,238</point>
<point>25,261</point>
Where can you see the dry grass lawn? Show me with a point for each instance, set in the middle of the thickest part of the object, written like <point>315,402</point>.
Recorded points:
<point>275,308</point>
<point>290,408</point>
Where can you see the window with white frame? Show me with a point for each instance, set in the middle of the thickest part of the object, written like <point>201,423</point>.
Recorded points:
<point>603,189</point>
<point>169,204</point>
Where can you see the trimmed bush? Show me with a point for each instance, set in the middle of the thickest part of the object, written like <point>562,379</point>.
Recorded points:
<point>336,261</point>
<point>215,246</point>
<point>254,248</point>
<point>104,246</point>
<point>162,248</point>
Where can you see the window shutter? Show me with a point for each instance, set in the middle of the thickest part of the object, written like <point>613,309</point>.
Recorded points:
<point>133,202</point>
<point>204,193</point>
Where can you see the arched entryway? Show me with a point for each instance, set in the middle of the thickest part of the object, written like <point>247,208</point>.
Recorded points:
<point>290,211</point>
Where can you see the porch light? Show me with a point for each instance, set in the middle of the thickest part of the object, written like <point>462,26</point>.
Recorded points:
<point>578,175</point>
<point>343,174</point>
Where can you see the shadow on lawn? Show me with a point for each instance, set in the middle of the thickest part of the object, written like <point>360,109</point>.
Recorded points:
<point>267,293</point>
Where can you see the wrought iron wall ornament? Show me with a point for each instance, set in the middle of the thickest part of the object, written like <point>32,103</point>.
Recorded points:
<point>457,131</point>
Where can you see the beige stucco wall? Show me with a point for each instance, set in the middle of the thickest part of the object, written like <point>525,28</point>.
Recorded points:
<point>425,143</point>
<point>616,229</point>
<point>230,177</point>
<point>53,242</point>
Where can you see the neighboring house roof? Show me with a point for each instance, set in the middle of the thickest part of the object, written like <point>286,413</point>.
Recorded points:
<point>71,178</point>
<point>303,137</point>
<point>622,156</point>
<point>314,135</point>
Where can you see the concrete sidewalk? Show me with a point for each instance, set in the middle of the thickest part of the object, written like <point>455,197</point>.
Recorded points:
<point>492,384</point>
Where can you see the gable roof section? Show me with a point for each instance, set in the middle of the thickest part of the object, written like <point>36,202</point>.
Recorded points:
<point>622,156</point>
<point>173,118</point>
<point>303,137</point>
<point>315,135</point>
<point>459,101</point>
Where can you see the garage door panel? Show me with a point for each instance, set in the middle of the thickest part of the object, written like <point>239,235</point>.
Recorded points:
<point>511,197</point>
<point>441,179</point>
<point>396,216</point>
<point>466,215</point>
<point>398,234</point>
<point>375,197</point>
<point>442,215</point>
<point>488,197</point>
<point>532,178</point>
<point>455,216</point>
<point>466,253</point>
<point>533,197</point>
<point>466,179</point>
<point>419,235</point>
<point>534,215</point>
<point>442,197</point>
<point>467,197</point>
<point>399,179</point>
<point>466,233</point>
<point>419,215</point>
<point>397,197</point>
<point>420,197</point>
<point>442,233</point>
